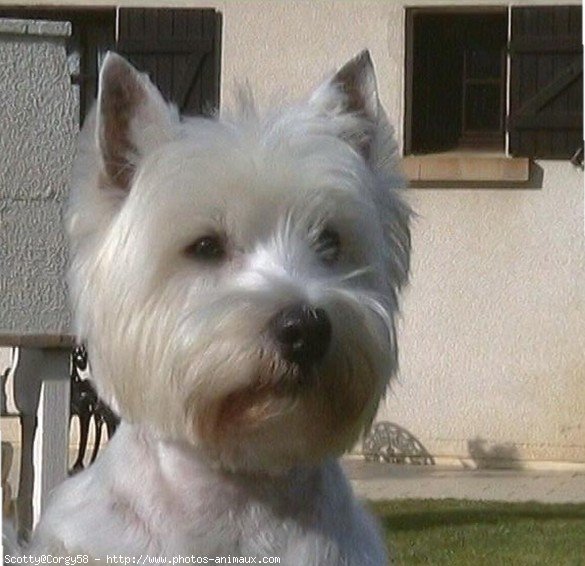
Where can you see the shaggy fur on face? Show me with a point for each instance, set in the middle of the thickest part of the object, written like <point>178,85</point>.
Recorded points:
<point>189,236</point>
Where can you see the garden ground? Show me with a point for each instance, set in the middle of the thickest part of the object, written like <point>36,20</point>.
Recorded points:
<point>462,533</point>
<point>480,517</point>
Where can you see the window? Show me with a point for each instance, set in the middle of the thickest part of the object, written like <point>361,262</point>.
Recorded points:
<point>458,77</point>
<point>179,49</point>
<point>476,81</point>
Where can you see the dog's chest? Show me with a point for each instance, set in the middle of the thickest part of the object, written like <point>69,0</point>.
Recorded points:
<point>145,499</point>
<point>140,498</point>
<point>216,514</point>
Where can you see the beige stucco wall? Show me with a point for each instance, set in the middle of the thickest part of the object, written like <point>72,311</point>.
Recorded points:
<point>493,333</point>
<point>493,343</point>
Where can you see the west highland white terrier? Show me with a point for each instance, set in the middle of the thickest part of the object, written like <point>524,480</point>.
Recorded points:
<point>235,281</point>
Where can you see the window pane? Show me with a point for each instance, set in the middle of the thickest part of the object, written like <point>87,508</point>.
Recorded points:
<point>482,107</point>
<point>456,79</point>
<point>484,64</point>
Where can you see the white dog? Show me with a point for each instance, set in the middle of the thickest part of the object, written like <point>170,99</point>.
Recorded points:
<point>236,282</point>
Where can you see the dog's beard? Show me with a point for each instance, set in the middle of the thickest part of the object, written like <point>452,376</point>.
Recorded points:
<point>249,408</point>
<point>207,372</point>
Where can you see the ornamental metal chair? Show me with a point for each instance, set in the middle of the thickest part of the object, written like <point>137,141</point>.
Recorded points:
<point>393,444</point>
<point>88,408</point>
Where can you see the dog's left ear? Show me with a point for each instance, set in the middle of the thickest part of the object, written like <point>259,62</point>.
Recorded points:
<point>132,120</point>
<point>352,92</point>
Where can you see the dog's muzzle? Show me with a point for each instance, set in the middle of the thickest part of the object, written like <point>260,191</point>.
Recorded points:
<point>302,334</point>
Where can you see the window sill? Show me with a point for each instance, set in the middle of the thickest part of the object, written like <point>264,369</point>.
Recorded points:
<point>466,167</point>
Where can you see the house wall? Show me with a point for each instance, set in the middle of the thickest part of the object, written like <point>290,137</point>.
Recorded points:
<point>37,132</point>
<point>493,331</point>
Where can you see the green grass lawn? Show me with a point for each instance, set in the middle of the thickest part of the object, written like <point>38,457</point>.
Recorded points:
<point>454,532</point>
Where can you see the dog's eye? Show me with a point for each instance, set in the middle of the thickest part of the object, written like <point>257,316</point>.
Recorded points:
<point>328,245</point>
<point>208,248</point>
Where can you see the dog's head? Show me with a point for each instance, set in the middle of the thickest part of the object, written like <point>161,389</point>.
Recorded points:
<point>236,279</point>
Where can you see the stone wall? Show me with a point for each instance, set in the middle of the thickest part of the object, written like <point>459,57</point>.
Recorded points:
<point>38,118</point>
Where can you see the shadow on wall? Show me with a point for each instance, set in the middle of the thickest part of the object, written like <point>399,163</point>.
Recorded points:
<point>389,442</point>
<point>493,456</point>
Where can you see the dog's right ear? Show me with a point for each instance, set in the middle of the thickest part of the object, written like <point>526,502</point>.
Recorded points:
<point>132,120</point>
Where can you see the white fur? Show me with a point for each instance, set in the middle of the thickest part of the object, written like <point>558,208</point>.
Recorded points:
<point>182,506</point>
<point>222,451</point>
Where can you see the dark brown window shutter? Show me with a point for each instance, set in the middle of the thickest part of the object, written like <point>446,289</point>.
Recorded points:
<point>93,35</point>
<point>546,82</point>
<point>179,49</point>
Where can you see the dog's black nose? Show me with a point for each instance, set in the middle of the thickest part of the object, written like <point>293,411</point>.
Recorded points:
<point>302,333</point>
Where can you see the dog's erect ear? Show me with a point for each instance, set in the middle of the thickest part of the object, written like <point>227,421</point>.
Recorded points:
<point>350,99</point>
<point>132,119</point>
<point>352,91</point>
